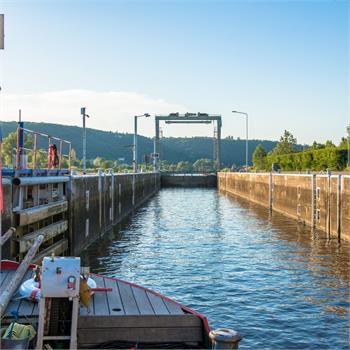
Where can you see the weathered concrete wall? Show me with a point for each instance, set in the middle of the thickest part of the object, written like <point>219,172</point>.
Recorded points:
<point>321,201</point>
<point>259,189</point>
<point>95,203</point>
<point>292,196</point>
<point>192,180</point>
<point>99,202</point>
<point>345,208</point>
<point>254,187</point>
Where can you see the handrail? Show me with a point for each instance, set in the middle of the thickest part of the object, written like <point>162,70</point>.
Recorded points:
<point>35,149</point>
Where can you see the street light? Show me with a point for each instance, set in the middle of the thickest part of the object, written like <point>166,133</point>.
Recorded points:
<point>246,139</point>
<point>146,115</point>
<point>82,112</point>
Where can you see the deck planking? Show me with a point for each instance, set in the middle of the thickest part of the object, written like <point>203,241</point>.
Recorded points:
<point>128,299</point>
<point>173,308</point>
<point>142,301</point>
<point>114,299</point>
<point>157,304</point>
<point>100,298</point>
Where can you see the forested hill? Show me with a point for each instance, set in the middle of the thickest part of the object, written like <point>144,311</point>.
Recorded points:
<point>112,145</point>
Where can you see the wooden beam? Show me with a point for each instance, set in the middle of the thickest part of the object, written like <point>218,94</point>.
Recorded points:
<point>156,335</point>
<point>26,241</point>
<point>57,248</point>
<point>7,235</point>
<point>144,321</point>
<point>30,215</point>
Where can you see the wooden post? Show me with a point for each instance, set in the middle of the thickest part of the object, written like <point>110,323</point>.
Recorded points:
<point>7,235</point>
<point>74,324</point>
<point>6,295</point>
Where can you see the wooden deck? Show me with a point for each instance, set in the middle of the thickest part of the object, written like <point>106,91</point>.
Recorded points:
<point>132,313</point>
<point>127,313</point>
<point>127,299</point>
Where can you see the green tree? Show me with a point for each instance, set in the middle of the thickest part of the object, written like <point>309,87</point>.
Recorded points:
<point>98,162</point>
<point>259,157</point>
<point>9,148</point>
<point>343,143</point>
<point>203,165</point>
<point>316,145</point>
<point>287,144</point>
<point>184,167</point>
<point>329,144</point>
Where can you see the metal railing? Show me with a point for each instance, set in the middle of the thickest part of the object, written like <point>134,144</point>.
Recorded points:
<point>20,150</point>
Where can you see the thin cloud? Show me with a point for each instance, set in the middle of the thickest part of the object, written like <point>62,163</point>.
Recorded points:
<point>111,110</point>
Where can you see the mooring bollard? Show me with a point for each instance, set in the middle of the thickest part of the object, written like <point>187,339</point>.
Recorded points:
<point>224,338</point>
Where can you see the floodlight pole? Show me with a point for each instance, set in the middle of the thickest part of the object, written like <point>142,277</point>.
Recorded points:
<point>135,166</point>
<point>246,136</point>
<point>82,112</point>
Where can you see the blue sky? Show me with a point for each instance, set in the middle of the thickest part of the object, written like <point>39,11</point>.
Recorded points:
<point>285,63</point>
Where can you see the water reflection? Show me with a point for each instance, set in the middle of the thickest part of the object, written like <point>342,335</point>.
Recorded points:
<point>274,280</point>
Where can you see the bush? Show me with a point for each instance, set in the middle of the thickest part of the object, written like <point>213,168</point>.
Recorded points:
<point>318,159</point>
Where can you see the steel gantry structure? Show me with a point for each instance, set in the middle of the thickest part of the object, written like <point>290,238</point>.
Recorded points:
<point>190,118</point>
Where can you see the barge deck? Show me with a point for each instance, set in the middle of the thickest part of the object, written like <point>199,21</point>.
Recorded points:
<point>127,313</point>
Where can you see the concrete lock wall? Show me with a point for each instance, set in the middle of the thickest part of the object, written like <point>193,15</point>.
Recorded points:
<point>345,207</point>
<point>254,187</point>
<point>320,201</point>
<point>292,196</point>
<point>99,202</point>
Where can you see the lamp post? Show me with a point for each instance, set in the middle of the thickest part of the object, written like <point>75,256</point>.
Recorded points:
<point>246,138</point>
<point>82,112</point>
<point>146,115</point>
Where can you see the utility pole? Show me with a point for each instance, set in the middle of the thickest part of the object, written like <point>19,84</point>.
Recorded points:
<point>135,167</point>
<point>246,136</point>
<point>82,112</point>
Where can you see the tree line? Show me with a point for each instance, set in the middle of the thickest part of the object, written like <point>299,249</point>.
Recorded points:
<point>193,154</point>
<point>41,160</point>
<point>286,157</point>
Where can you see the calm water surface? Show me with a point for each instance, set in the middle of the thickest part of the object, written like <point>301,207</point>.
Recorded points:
<point>271,279</point>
